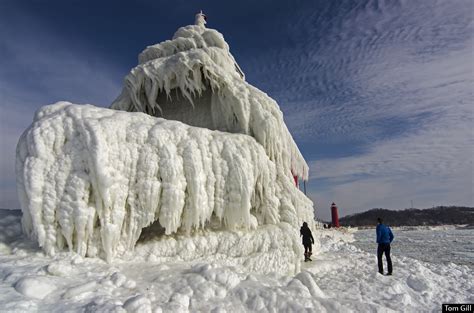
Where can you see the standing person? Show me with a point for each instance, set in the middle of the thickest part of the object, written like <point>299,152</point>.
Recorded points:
<point>384,238</point>
<point>308,240</point>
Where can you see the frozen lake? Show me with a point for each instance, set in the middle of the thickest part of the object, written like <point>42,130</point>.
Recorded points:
<point>435,245</point>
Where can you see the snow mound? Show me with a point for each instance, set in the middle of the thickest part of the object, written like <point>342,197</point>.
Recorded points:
<point>91,179</point>
<point>138,304</point>
<point>193,78</point>
<point>37,287</point>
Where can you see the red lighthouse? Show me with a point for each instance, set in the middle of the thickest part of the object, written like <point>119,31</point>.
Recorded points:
<point>335,216</point>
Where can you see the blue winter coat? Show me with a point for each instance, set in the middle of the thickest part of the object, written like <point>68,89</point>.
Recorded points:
<point>384,234</point>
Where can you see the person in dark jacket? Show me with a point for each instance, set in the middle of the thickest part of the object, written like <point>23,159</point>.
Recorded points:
<point>384,238</point>
<point>308,240</point>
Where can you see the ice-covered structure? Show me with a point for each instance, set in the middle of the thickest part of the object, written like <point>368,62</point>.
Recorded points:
<point>188,145</point>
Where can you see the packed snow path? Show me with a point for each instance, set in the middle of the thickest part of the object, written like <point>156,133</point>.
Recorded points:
<point>341,278</point>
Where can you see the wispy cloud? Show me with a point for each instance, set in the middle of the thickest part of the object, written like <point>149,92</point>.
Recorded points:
<point>430,160</point>
<point>390,84</point>
<point>350,66</point>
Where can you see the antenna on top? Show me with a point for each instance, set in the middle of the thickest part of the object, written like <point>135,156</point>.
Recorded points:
<point>201,19</point>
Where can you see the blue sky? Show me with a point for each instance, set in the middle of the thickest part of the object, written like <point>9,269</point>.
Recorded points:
<point>377,94</point>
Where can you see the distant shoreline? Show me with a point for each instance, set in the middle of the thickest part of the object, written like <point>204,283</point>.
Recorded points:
<point>421,227</point>
<point>437,216</point>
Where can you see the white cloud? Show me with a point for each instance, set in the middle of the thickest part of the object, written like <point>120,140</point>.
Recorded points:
<point>431,163</point>
<point>396,83</point>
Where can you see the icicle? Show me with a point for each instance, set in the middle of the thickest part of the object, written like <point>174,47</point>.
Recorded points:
<point>128,170</point>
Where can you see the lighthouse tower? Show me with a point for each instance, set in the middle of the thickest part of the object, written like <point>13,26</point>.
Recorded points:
<point>335,216</point>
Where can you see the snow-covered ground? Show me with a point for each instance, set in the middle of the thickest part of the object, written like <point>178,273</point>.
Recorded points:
<point>433,244</point>
<point>341,278</point>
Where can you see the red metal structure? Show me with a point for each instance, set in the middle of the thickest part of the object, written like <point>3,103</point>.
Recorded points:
<point>335,216</point>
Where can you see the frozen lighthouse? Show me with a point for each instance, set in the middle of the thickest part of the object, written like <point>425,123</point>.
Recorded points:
<point>188,146</point>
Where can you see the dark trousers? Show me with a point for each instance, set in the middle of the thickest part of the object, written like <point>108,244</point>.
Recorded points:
<point>381,249</point>
<point>307,248</point>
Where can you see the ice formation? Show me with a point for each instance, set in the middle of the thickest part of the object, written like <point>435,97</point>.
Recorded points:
<point>194,79</point>
<point>212,153</point>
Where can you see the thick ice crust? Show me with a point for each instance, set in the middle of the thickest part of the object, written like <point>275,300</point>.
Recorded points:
<point>91,179</point>
<point>194,79</point>
<point>269,248</point>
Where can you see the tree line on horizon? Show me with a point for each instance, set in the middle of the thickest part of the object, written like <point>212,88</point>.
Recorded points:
<point>441,215</point>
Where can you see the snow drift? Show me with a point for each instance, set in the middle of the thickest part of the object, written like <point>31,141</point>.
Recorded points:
<point>212,153</point>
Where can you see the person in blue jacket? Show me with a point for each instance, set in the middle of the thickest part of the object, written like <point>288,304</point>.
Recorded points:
<point>384,238</point>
